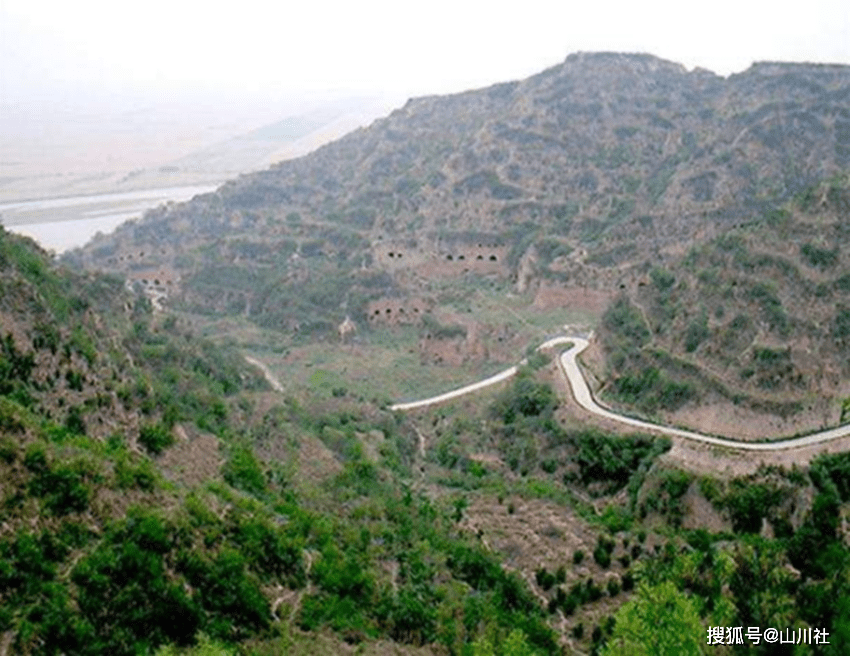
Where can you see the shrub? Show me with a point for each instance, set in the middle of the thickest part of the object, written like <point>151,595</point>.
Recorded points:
<point>749,503</point>
<point>813,548</point>
<point>650,389</point>
<point>15,367</point>
<point>592,591</point>
<point>8,450</point>
<point>613,460</point>
<point>67,491</point>
<point>602,552</point>
<point>561,575</point>
<point>550,465</point>
<point>141,475</point>
<point>544,578</point>
<point>841,326</point>
<point>821,258</point>
<point>74,422</point>
<point>411,615</point>
<point>155,438</point>
<point>666,497</point>
<point>602,557</point>
<point>696,332</point>
<point>125,594</point>
<point>833,469</point>
<point>626,321</point>
<point>232,597</point>
<point>242,470</point>
<point>75,380</point>
<point>764,294</point>
<point>63,487</point>
<point>205,647</point>
<point>525,398</point>
<point>550,248</point>
<point>662,279</point>
<point>81,342</point>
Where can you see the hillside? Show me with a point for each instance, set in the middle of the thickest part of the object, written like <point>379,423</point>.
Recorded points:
<point>565,188</point>
<point>156,498</point>
<point>590,154</point>
<point>753,321</point>
<point>697,223</point>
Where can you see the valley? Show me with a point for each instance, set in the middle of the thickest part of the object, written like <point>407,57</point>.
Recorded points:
<point>608,176</point>
<point>228,427</point>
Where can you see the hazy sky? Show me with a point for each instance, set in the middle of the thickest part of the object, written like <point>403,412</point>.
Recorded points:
<point>101,87</point>
<point>106,84</point>
<point>96,50</point>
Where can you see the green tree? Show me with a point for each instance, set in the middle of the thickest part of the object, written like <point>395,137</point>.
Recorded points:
<point>659,621</point>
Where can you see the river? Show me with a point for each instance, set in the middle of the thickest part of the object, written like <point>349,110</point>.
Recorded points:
<point>60,224</point>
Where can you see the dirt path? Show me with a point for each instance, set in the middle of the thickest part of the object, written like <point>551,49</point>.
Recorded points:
<point>277,386</point>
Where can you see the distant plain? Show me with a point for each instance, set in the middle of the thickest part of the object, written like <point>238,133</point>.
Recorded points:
<point>100,166</point>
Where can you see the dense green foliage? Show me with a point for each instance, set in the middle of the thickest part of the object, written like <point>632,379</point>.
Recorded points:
<point>526,399</point>
<point>155,437</point>
<point>84,572</point>
<point>611,460</point>
<point>650,389</point>
<point>658,621</point>
<point>105,549</point>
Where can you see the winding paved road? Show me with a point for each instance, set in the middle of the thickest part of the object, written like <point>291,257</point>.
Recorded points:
<point>584,397</point>
<point>481,384</point>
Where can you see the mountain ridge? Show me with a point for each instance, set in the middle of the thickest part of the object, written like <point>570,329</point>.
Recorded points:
<point>584,176</point>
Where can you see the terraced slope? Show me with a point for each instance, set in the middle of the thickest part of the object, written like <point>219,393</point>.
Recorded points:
<point>566,178</point>
<point>756,320</point>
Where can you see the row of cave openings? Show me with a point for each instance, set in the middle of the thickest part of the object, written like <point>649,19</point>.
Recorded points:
<point>394,255</point>
<point>156,282</point>
<point>461,258</point>
<point>127,257</point>
<point>389,311</point>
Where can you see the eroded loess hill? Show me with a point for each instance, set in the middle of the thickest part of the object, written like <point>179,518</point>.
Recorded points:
<point>224,518</point>
<point>566,179</point>
<point>754,320</point>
